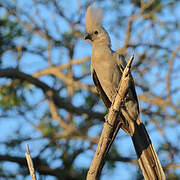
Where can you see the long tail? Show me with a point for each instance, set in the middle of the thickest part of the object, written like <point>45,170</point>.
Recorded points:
<point>147,157</point>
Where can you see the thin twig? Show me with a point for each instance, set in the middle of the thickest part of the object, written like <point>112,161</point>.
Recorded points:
<point>30,164</point>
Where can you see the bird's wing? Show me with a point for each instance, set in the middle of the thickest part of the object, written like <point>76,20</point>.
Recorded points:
<point>107,102</point>
<point>100,90</point>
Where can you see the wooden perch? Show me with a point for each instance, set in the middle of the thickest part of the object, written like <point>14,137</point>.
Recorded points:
<point>30,164</point>
<point>107,137</point>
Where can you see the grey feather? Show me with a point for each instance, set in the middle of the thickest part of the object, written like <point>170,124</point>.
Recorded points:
<point>107,67</point>
<point>93,17</point>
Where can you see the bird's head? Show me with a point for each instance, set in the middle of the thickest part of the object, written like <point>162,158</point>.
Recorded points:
<point>93,21</point>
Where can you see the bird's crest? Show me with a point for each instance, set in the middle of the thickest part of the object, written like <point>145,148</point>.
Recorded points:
<point>93,18</point>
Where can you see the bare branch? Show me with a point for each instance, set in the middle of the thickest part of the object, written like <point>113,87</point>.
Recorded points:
<point>107,137</point>
<point>49,92</point>
<point>30,164</point>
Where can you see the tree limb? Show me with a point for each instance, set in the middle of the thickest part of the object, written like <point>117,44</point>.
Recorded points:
<point>107,137</point>
<point>50,93</point>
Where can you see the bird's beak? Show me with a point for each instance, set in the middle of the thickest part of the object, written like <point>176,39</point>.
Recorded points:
<point>87,36</point>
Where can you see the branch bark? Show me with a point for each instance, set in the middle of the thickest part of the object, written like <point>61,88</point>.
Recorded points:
<point>30,164</point>
<point>107,135</point>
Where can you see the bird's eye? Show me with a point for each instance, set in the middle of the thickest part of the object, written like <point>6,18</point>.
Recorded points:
<point>96,32</point>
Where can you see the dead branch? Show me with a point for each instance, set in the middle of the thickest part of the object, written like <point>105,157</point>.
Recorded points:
<point>30,164</point>
<point>107,138</point>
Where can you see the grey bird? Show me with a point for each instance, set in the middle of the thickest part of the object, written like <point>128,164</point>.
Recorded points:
<point>107,67</point>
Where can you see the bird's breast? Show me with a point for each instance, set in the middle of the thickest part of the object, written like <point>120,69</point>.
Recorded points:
<point>107,72</point>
